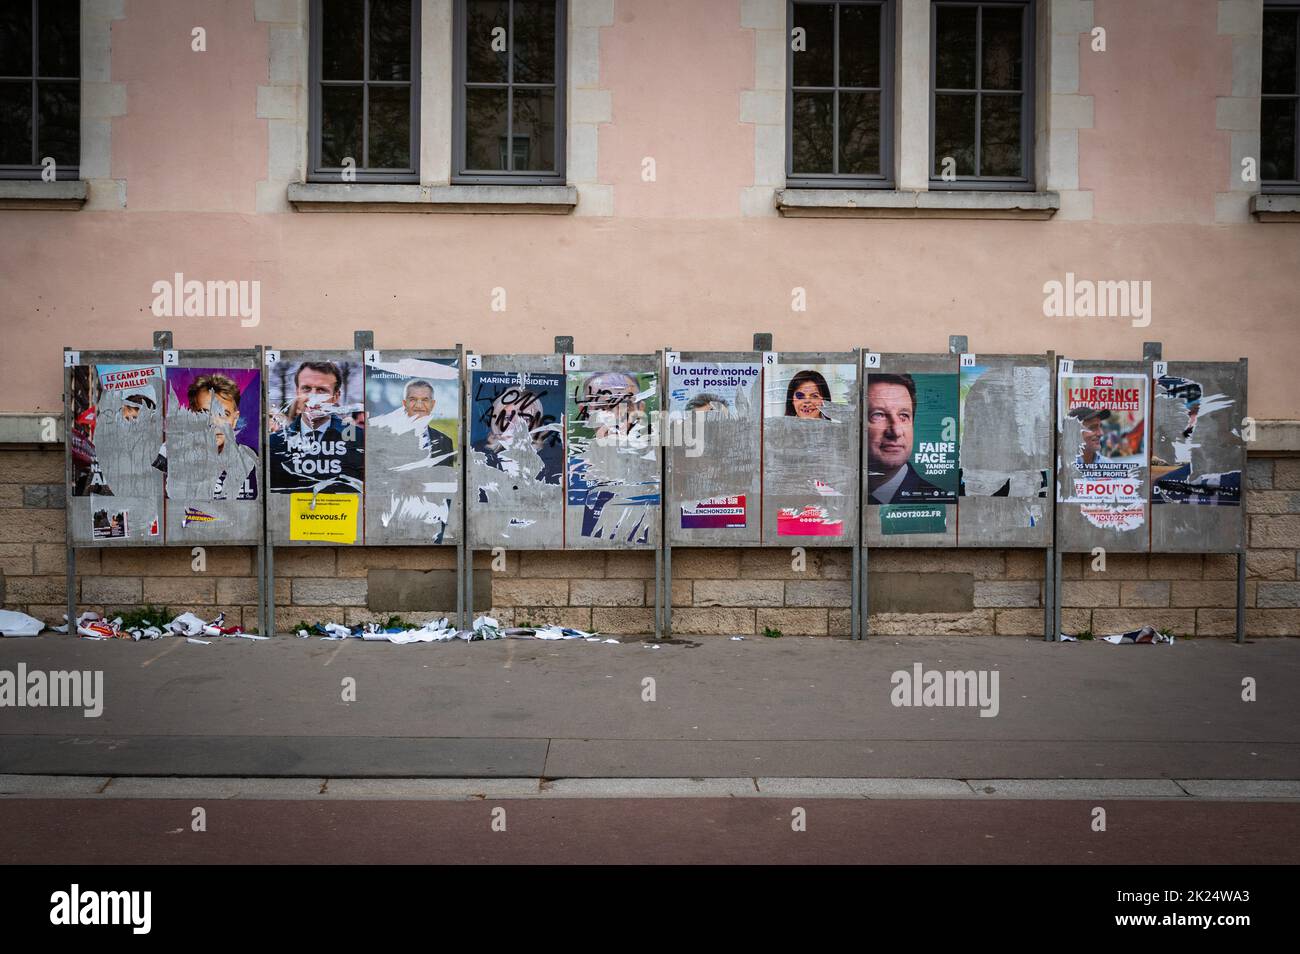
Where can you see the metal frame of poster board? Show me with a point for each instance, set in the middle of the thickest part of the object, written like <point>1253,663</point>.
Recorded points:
<point>1008,522</point>
<point>684,475</point>
<point>787,485</point>
<point>167,357</point>
<point>1213,526</point>
<point>277,515</point>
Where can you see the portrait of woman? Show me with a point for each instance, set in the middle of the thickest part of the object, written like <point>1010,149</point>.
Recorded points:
<point>806,394</point>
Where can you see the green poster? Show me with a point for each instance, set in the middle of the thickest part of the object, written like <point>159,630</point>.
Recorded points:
<point>913,518</point>
<point>911,435</point>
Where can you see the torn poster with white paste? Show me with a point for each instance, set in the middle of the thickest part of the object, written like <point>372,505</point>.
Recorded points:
<point>116,432</point>
<point>516,459</point>
<point>1196,454</point>
<point>612,458</point>
<point>810,455</point>
<point>1005,430</point>
<point>413,431</point>
<point>712,413</point>
<point>1102,422</point>
<point>211,453</point>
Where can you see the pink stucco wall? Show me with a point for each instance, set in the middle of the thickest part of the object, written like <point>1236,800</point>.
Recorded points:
<point>677,264</point>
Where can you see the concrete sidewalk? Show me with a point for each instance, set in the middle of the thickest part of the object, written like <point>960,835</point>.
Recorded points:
<point>785,708</point>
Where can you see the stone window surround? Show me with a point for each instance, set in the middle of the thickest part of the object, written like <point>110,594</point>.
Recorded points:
<point>101,100</point>
<point>284,103</point>
<point>1060,112</point>
<point>1243,20</point>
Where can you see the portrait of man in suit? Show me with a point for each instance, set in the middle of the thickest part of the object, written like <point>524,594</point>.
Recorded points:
<point>891,419</point>
<point>318,450</point>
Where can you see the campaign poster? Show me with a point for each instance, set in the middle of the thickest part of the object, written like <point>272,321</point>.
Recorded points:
<point>808,521</point>
<point>116,433</point>
<point>1194,446</point>
<point>212,436</point>
<point>324,518</point>
<point>912,438</point>
<point>1102,422</point>
<point>517,425</point>
<point>613,470</point>
<point>413,429</point>
<point>728,389</point>
<point>810,392</point>
<point>715,513</point>
<point>1005,431</point>
<point>316,427</point>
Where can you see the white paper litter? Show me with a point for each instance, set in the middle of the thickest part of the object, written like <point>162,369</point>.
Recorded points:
<point>187,624</point>
<point>197,642</point>
<point>14,623</point>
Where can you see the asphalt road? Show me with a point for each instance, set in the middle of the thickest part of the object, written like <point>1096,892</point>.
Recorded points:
<point>648,831</point>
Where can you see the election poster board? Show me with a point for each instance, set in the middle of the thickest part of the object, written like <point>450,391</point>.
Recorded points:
<point>1103,473</point>
<point>115,432</point>
<point>911,437</point>
<point>515,459</point>
<point>1005,406</point>
<point>810,449</point>
<point>413,446</point>
<point>212,455</point>
<point>712,434</point>
<point>316,443</point>
<point>612,480</point>
<point>1198,457</point>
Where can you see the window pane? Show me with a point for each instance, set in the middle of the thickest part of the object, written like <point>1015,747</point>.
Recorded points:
<point>485,129</point>
<point>534,41</point>
<point>60,122</point>
<point>390,128</point>
<point>534,130</point>
<point>342,39</point>
<point>483,64</point>
<point>954,132</point>
<point>16,123</point>
<point>813,133</point>
<point>815,64</point>
<point>1000,136</point>
<point>860,134</point>
<point>1277,139</point>
<point>859,45</point>
<point>390,40</point>
<point>954,47</point>
<point>16,40</point>
<point>60,52</point>
<point>1279,51</point>
<point>1001,59</point>
<point>340,125</point>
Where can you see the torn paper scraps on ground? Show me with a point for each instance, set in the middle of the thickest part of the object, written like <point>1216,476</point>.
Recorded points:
<point>1147,634</point>
<point>13,623</point>
<point>441,631</point>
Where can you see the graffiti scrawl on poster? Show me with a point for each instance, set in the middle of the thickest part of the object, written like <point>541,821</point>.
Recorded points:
<point>613,474</point>
<point>1194,447</point>
<point>1102,422</point>
<point>413,430</point>
<point>316,425</point>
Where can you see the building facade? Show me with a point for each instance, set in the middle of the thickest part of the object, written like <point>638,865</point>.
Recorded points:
<point>650,174</point>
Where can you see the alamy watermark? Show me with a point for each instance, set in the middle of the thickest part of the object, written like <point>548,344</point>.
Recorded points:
<point>1085,298</point>
<point>58,688</point>
<point>182,298</point>
<point>946,688</point>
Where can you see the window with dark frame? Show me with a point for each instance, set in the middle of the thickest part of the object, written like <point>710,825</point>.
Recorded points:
<point>982,94</point>
<point>509,98</point>
<point>40,88</point>
<point>839,103</point>
<point>1279,164</point>
<point>365,104</point>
